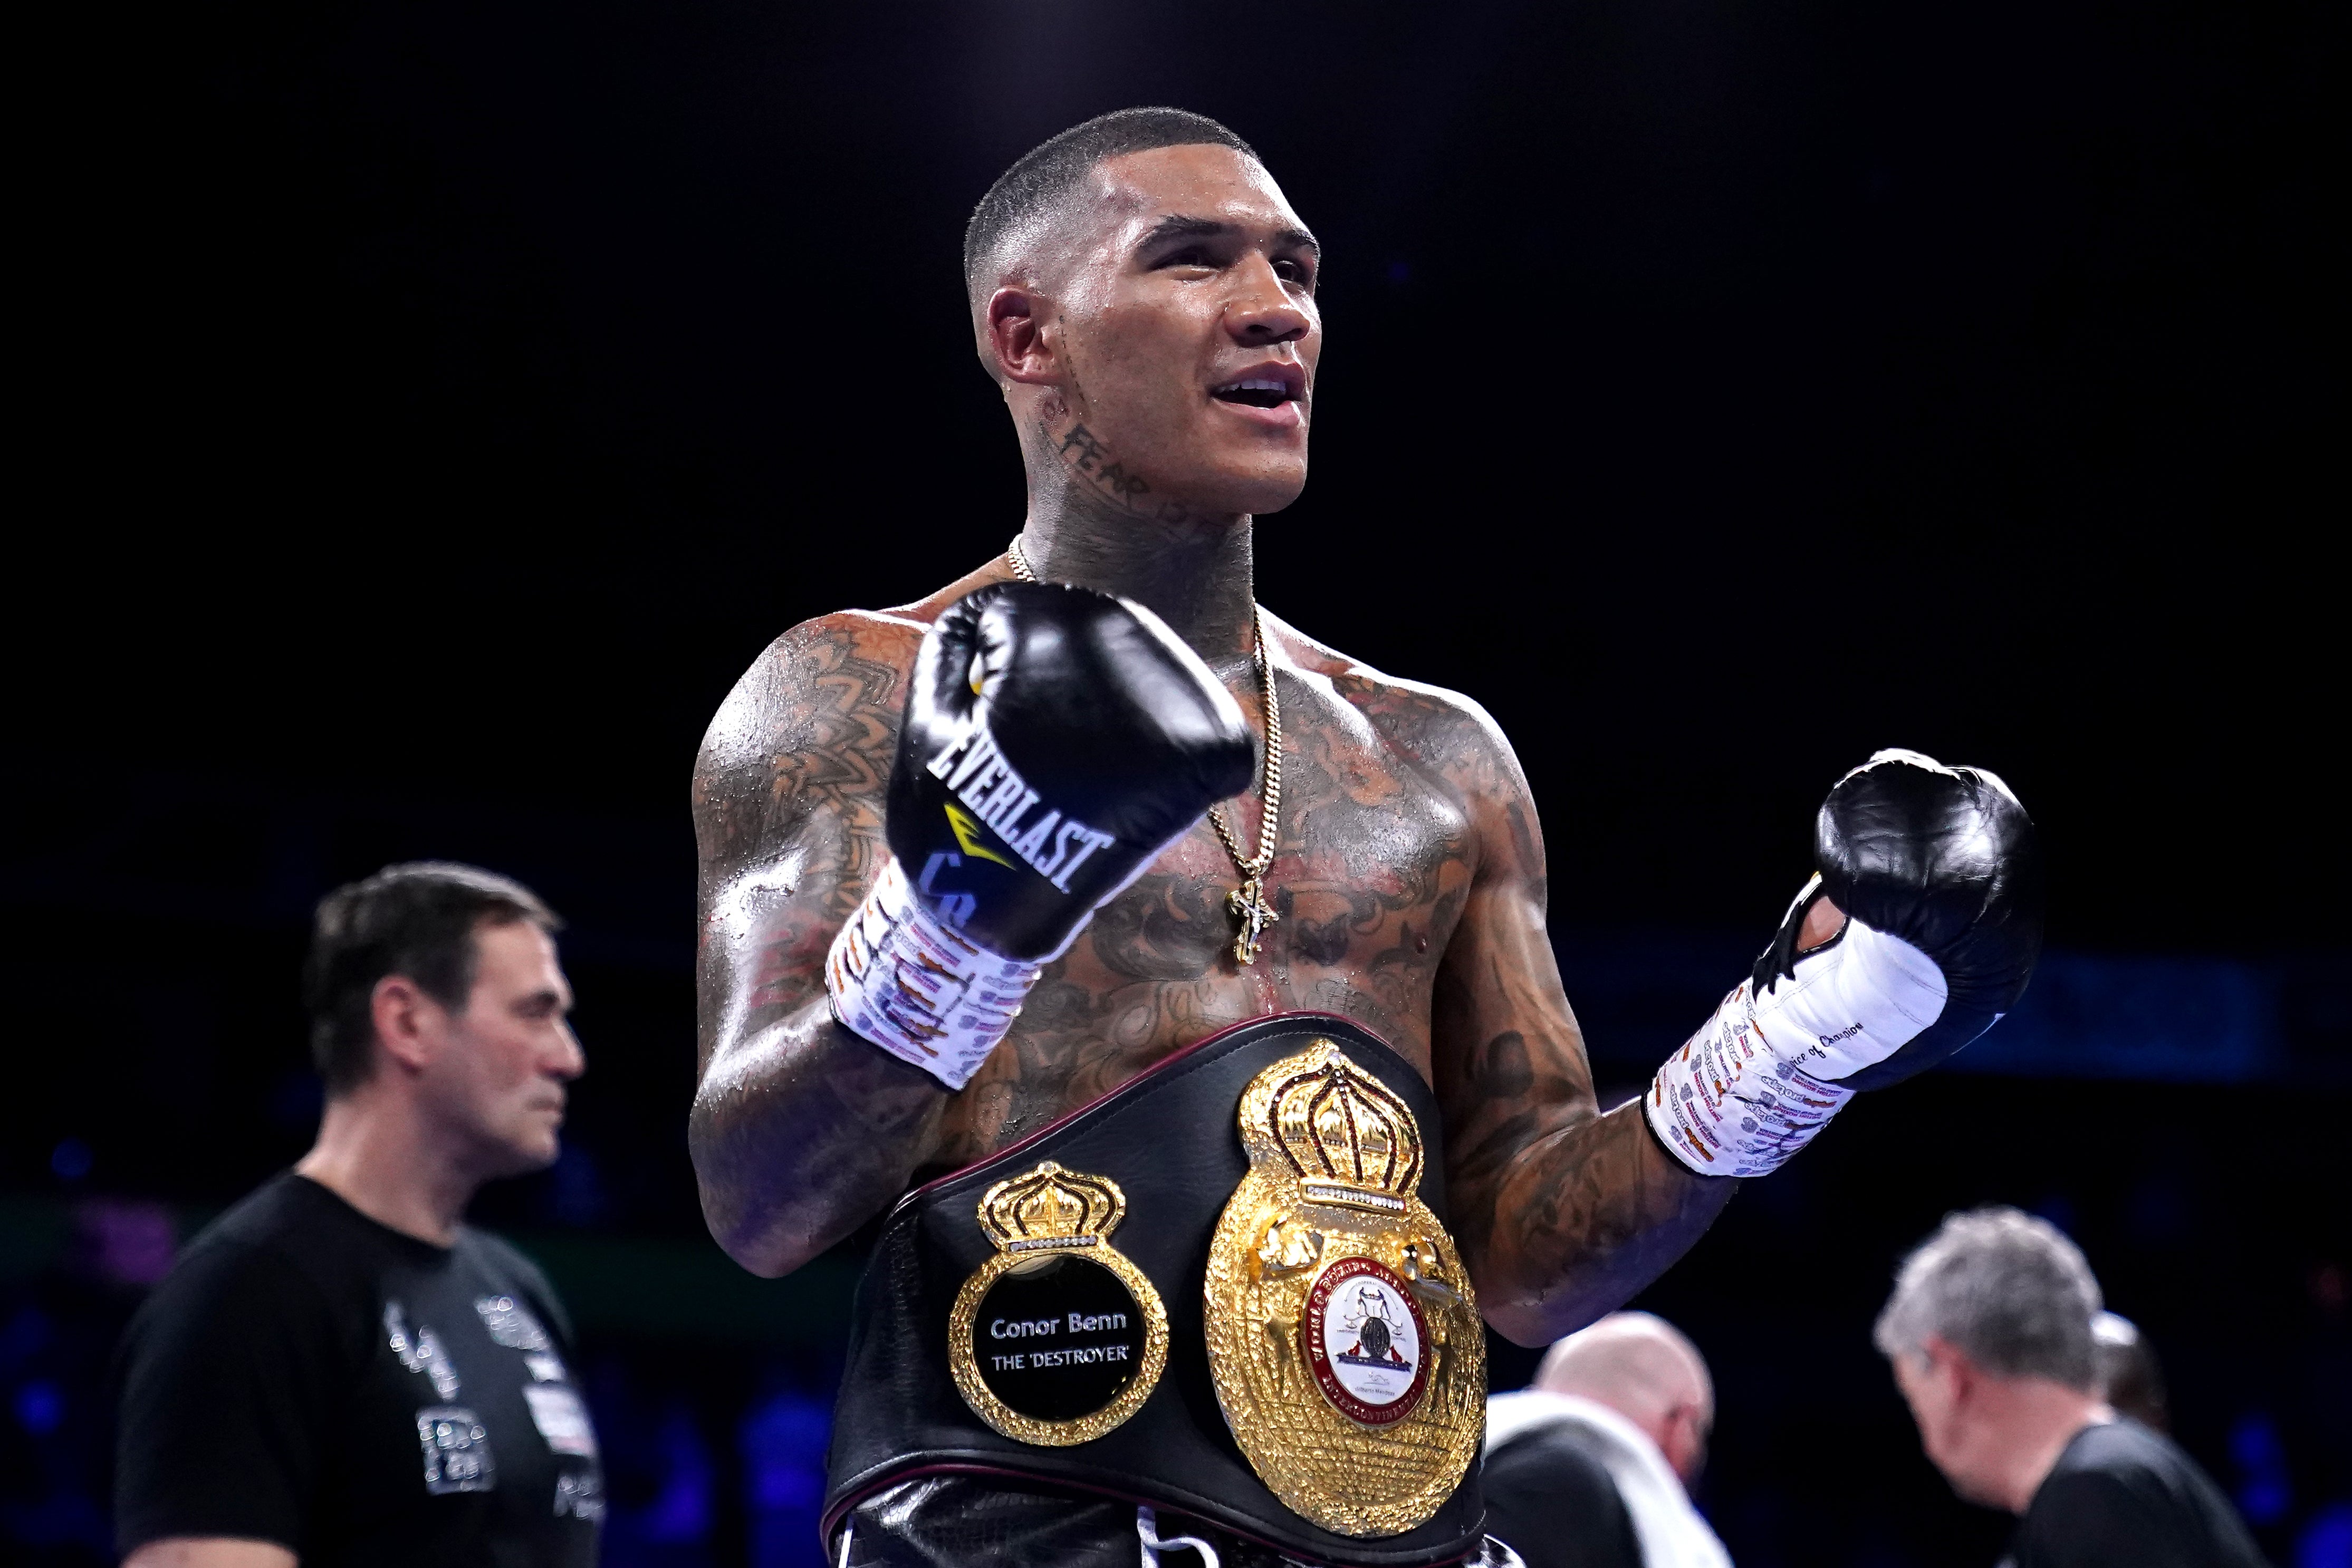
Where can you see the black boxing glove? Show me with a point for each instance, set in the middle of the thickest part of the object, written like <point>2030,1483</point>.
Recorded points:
<point>1936,872</point>
<point>1054,741</point>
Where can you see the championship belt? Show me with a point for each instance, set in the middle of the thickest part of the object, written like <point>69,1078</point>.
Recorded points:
<point>1266,1328</point>
<point>1343,1332</point>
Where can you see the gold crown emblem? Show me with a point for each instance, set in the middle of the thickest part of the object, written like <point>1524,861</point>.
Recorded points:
<point>1050,1207</point>
<point>1332,1196</point>
<point>1351,1139</point>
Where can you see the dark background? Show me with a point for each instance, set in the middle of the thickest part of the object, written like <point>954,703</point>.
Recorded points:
<point>428,409</point>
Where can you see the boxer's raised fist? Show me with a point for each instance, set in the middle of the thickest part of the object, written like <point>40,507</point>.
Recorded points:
<point>1936,872</point>
<point>1942,860</point>
<point>1055,740</point>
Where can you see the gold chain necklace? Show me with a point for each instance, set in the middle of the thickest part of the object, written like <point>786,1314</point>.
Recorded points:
<point>1248,901</point>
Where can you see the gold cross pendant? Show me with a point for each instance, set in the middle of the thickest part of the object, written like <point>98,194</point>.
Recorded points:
<point>1249,906</point>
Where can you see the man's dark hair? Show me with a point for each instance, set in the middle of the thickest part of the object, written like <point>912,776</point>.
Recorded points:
<point>1050,171</point>
<point>416,920</point>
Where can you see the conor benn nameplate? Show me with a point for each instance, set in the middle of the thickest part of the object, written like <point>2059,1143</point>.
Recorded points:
<point>1057,1338</point>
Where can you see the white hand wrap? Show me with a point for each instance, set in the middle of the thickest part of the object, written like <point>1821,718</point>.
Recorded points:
<point>1758,1081</point>
<point>901,980</point>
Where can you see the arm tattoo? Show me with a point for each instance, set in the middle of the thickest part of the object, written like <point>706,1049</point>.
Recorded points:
<point>1562,1213</point>
<point>799,1130</point>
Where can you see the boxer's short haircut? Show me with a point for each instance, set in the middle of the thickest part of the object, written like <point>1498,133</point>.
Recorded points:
<point>2008,1290</point>
<point>1050,172</point>
<point>416,920</point>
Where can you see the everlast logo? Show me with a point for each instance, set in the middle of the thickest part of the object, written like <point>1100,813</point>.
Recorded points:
<point>1053,844</point>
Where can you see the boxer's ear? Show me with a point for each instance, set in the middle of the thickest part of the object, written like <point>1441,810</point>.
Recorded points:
<point>1020,341</point>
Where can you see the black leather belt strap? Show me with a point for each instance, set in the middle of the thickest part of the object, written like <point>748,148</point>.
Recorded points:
<point>1169,1138</point>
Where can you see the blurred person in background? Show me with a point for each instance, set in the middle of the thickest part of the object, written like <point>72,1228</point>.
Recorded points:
<point>2128,1372</point>
<point>340,1370</point>
<point>1989,1330</point>
<point>1591,1465</point>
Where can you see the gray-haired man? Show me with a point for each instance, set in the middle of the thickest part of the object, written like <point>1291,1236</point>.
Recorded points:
<point>1990,1332</point>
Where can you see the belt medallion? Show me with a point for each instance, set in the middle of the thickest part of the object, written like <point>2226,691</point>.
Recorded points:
<point>1058,1337</point>
<point>1343,1333</point>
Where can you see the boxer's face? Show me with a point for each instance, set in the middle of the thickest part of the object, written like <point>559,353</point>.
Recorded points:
<point>1184,337</point>
<point>498,1079</point>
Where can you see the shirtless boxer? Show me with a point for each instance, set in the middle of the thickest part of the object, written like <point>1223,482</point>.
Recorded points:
<point>1144,296</point>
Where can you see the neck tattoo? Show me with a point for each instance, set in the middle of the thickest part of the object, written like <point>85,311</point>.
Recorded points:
<point>1247,902</point>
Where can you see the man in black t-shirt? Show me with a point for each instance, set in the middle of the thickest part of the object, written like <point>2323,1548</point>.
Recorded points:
<point>1990,1332</point>
<point>339,1370</point>
<point>2120,1493</point>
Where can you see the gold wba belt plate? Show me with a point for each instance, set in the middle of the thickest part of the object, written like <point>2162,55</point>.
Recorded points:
<point>1058,1338</point>
<point>1343,1333</point>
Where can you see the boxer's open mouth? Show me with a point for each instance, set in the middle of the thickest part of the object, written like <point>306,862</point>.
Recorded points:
<point>1269,387</point>
<point>1257,393</point>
